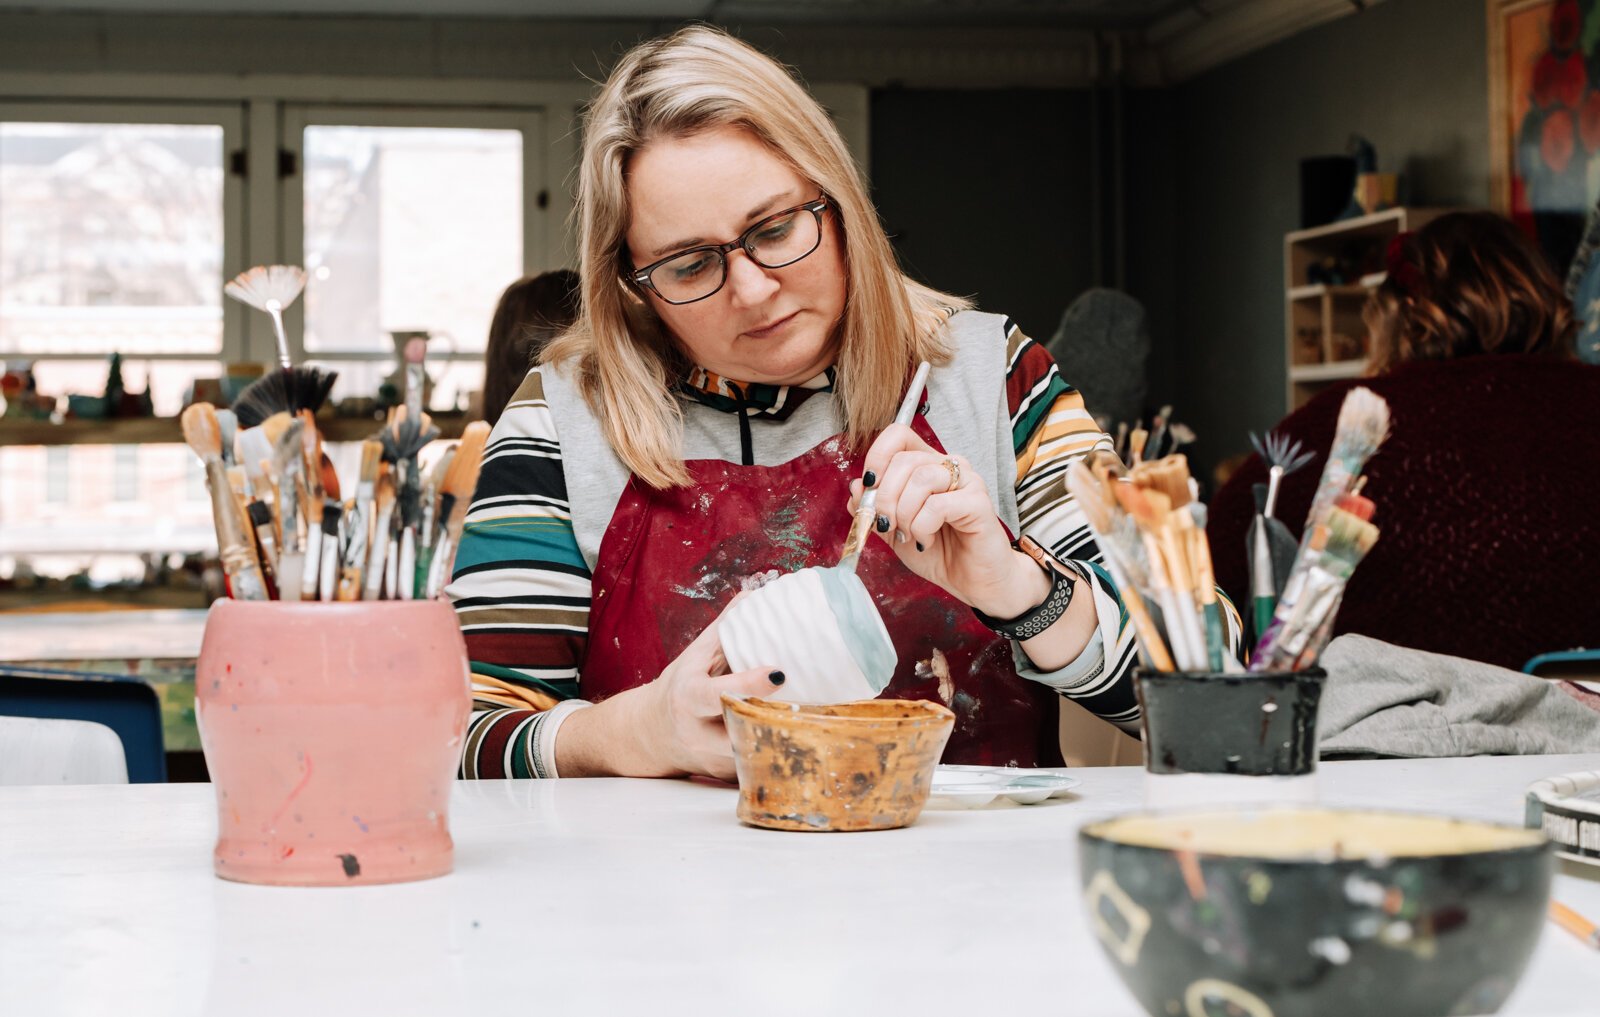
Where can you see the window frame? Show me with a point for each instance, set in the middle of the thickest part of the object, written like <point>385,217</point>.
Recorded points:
<point>228,116</point>
<point>530,121</point>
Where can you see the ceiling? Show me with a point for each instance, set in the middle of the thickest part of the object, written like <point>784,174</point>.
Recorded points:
<point>1067,13</point>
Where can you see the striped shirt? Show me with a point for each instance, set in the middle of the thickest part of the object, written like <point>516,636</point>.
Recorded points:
<point>521,584</point>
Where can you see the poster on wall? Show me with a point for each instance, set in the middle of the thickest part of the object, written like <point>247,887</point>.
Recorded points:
<point>1544,105</point>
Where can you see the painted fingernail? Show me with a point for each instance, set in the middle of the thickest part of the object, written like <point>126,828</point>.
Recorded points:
<point>919,545</point>
<point>869,479</point>
<point>776,677</point>
<point>899,536</point>
<point>883,524</point>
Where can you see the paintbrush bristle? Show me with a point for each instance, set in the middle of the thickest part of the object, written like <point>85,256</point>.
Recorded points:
<point>267,287</point>
<point>1169,475</point>
<point>228,427</point>
<point>371,458</point>
<point>288,450</point>
<point>1363,421</point>
<point>1349,536</point>
<point>201,431</point>
<point>1280,450</point>
<point>284,391</point>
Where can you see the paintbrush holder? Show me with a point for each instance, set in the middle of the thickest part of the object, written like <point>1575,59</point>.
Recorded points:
<point>332,733</point>
<point>1237,738</point>
<point>820,627</point>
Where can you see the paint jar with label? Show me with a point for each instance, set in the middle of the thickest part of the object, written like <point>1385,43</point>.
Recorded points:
<point>332,732</point>
<point>1234,738</point>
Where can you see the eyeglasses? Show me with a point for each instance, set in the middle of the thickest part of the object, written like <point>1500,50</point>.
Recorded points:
<point>780,239</point>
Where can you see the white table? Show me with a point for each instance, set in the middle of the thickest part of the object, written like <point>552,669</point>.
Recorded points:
<point>633,897</point>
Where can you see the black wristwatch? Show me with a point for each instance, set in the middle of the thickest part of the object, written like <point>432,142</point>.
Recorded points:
<point>1031,623</point>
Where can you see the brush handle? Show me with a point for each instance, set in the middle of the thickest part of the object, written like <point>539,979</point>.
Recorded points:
<point>328,577</point>
<point>284,360</point>
<point>238,563</point>
<point>291,575</point>
<point>860,526</point>
<point>373,587</point>
<point>354,553</point>
<point>406,578</point>
<point>313,564</point>
<point>1152,648</point>
<point>391,570</point>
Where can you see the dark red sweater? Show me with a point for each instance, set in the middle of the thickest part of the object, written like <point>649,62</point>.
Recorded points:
<point>1488,495</point>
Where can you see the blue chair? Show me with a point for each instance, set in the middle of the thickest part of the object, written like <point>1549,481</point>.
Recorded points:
<point>126,705</point>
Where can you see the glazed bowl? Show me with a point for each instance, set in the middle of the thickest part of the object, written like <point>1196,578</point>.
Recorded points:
<point>1300,912</point>
<point>821,627</point>
<point>852,766</point>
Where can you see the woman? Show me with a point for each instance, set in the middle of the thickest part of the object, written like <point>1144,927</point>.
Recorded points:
<point>531,312</point>
<point>1486,487</point>
<point>745,336</point>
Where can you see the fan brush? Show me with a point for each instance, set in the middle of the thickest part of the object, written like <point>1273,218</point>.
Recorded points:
<point>272,288</point>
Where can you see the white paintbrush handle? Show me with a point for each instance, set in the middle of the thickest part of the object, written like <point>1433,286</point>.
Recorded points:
<point>313,565</point>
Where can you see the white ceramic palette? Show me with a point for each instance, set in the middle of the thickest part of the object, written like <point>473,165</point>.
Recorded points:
<point>974,786</point>
<point>1567,808</point>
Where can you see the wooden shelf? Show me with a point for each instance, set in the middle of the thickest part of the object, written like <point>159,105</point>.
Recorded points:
<point>1336,371</point>
<point>1325,321</point>
<point>1318,291</point>
<point>155,430</point>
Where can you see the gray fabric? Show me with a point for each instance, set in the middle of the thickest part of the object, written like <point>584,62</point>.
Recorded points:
<point>967,411</point>
<point>1386,700</point>
<point>1101,347</point>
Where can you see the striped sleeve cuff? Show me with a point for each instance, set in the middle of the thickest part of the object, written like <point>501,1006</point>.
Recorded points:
<point>544,735</point>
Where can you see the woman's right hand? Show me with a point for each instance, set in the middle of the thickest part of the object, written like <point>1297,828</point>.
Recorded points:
<point>668,728</point>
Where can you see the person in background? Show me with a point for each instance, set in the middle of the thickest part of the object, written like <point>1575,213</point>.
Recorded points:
<point>532,311</point>
<point>1487,489</point>
<point>745,338</point>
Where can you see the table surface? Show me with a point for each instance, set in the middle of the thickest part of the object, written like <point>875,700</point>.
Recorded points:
<point>633,896</point>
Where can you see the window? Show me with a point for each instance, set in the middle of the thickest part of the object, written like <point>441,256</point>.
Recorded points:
<point>395,240</point>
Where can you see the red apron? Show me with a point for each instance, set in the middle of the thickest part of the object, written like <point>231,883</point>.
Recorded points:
<point>671,560</point>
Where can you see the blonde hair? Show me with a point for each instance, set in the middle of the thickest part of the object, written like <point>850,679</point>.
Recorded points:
<point>699,79</point>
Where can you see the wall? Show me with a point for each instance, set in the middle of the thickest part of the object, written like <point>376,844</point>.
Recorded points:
<point>1411,75</point>
<point>987,194</point>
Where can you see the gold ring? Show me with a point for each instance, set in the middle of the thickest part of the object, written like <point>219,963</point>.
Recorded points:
<point>955,474</point>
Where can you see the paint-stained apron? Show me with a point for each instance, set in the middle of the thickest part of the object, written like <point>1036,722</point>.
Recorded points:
<point>672,560</point>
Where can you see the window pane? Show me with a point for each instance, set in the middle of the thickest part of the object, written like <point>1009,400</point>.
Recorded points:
<point>111,238</point>
<point>408,228</point>
<point>168,381</point>
<point>89,507</point>
<point>452,382</point>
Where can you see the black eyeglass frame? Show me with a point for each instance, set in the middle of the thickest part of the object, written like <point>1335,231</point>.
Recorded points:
<point>641,276</point>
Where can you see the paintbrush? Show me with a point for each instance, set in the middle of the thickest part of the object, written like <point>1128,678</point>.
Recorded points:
<point>272,288</point>
<point>1272,548</point>
<point>1136,441</point>
<point>1158,432</point>
<point>866,511</point>
<point>358,523</point>
<point>455,496</point>
<point>403,440</point>
<point>1100,511</point>
<point>1182,434</point>
<point>1188,558</point>
<point>202,434</point>
<point>228,427</point>
<point>1575,923</point>
<point>428,532</point>
<point>328,560</point>
<point>1363,426</point>
<point>383,502</point>
<point>311,467</point>
<point>288,463</point>
<point>1303,622</point>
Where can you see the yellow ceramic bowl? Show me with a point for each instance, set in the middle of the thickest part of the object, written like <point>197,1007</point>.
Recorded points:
<point>851,766</point>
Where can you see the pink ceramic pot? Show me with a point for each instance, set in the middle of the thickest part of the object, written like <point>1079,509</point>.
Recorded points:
<point>333,733</point>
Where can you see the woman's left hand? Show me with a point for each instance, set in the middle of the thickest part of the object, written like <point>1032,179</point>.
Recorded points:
<point>934,511</point>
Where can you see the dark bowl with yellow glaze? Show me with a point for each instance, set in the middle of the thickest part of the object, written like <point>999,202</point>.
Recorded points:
<point>1301,912</point>
<point>850,766</point>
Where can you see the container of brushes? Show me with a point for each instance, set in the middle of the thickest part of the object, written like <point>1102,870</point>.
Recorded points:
<point>333,734</point>
<point>1229,736</point>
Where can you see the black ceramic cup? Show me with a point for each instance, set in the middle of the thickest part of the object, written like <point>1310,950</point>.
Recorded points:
<point>1252,725</point>
<point>1314,912</point>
